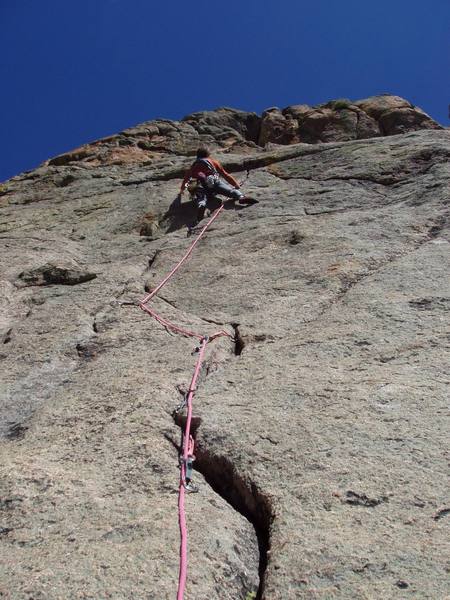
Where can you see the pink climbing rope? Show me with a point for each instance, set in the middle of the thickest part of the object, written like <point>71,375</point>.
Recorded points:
<point>187,453</point>
<point>188,441</point>
<point>165,322</point>
<point>168,325</point>
<point>185,257</point>
<point>177,329</point>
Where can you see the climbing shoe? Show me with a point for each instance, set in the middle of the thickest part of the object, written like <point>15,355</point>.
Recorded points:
<point>247,200</point>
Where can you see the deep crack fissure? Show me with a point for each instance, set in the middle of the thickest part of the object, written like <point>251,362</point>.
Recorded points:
<point>219,472</point>
<point>242,494</point>
<point>239,343</point>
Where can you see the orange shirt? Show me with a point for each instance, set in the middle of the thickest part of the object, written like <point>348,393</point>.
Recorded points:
<point>201,167</point>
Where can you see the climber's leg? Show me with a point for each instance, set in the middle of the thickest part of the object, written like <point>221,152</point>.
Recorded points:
<point>227,190</point>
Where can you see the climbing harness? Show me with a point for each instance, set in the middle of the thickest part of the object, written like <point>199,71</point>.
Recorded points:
<point>187,456</point>
<point>199,191</point>
<point>212,177</point>
<point>193,184</point>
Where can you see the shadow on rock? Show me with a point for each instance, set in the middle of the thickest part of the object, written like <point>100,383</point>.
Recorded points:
<point>183,214</point>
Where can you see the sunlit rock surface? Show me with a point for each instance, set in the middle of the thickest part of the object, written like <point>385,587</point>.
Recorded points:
<point>321,431</point>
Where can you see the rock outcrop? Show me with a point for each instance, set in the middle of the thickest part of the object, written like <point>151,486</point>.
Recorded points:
<point>321,432</point>
<point>229,129</point>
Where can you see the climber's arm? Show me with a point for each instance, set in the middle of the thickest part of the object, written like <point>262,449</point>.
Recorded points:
<point>231,180</point>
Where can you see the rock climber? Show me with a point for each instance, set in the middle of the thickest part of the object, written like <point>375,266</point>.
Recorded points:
<point>205,178</point>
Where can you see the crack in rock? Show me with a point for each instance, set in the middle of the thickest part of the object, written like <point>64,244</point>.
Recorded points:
<point>239,343</point>
<point>355,499</point>
<point>219,472</point>
<point>443,512</point>
<point>6,338</point>
<point>242,494</point>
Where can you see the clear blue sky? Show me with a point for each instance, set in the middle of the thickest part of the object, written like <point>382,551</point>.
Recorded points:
<point>74,71</point>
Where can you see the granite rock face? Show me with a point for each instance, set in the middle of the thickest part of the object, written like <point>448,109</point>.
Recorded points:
<point>321,428</point>
<point>227,129</point>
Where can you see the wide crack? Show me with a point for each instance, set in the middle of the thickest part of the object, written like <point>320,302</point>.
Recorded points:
<point>239,343</point>
<point>242,494</point>
<point>220,473</point>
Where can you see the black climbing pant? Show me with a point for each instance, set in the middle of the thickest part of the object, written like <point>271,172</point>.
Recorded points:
<point>202,195</point>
